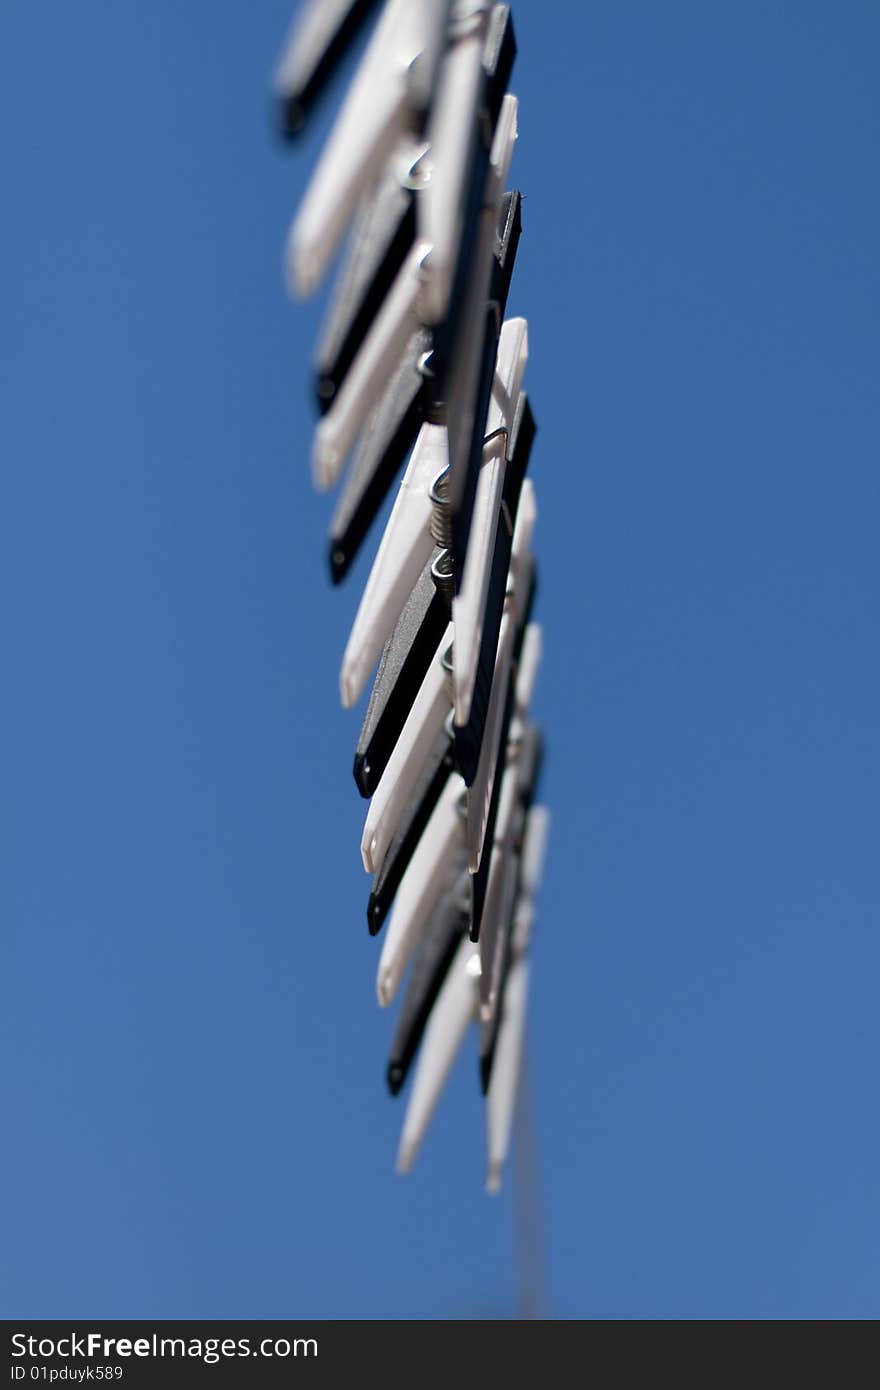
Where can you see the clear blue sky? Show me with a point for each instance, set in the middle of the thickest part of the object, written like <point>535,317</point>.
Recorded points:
<point>192,1055</point>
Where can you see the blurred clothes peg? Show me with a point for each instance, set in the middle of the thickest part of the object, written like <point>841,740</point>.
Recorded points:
<point>527,667</point>
<point>500,885</point>
<point>469,605</point>
<point>461,376</point>
<point>515,919</point>
<point>382,235</point>
<point>423,724</point>
<point>384,443</point>
<point>503,881</point>
<point>530,752</point>
<point>469,733</point>
<point>534,850</point>
<point>317,41</point>
<point>388,97</point>
<point>433,956</point>
<point>504,1085</point>
<point>520,682</point>
<point>499,56</point>
<point>470,92</point>
<point>490,1012</point>
<point>380,353</point>
<point>515,606</point>
<point>402,666</point>
<point>454,1009</point>
<point>453,133</point>
<point>414,816</point>
<point>464,309</point>
<point>403,551</point>
<point>426,877</point>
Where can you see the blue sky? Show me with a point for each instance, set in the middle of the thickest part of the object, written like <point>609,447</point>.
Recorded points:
<point>192,1056</point>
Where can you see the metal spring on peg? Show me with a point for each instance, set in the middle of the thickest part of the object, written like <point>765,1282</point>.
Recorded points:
<point>417,171</point>
<point>441,512</point>
<point>429,368</point>
<point>443,575</point>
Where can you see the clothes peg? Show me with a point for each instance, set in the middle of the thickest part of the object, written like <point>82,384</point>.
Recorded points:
<point>414,816</point>
<point>402,666</point>
<point>500,885</point>
<point>315,44</point>
<point>519,931</point>
<point>453,1011</point>
<point>528,840</point>
<point>504,946</point>
<point>434,955</point>
<point>403,551</point>
<point>382,350</point>
<point>526,658</point>
<point>426,878</point>
<point>423,723</point>
<point>503,1087</point>
<point>499,56</point>
<point>382,235</point>
<point>469,604</point>
<point>469,733</point>
<point>517,789</point>
<point>453,134</point>
<point>500,955</point>
<point>384,444</point>
<point>515,604</point>
<point>460,374</point>
<point>531,868</point>
<point>464,306</point>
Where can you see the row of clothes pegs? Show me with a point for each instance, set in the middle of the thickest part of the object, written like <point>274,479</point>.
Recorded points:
<point>418,370</point>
